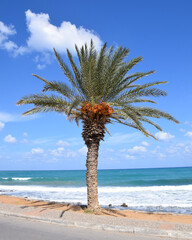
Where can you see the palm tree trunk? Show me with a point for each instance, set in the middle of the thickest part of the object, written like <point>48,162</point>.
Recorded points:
<point>93,133</point>
<point>91,176</point>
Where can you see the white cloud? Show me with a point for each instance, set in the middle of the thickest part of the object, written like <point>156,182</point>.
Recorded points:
<point>10,46</point>
<point>37,151</point>
<point>172,149</point>
<point>10,139</point>
<point>44,36</point>
<point>146,144</point>
<point>188,149</point>
<point>129,156</point>
<point>70,154</point>
<point>61,152</point>
<point>12,117</point>
<point>161,155</point>
<point>7,30</point>
<point>2,125</point>
<point>157,149</point>
<point>189,134</point>
<point>24,140</point>
<point>57,152</point>
<point>83,150</point>
<point>176,148</point>
<point>121,138</point>
<point>157,152</point>
<point>62,143</point>
<point>44,141</point>
<point>188,123</point>
<point>50,155</point>
<point>8,117</point>
<point>164,136</point>
<point>5,33</point>
<point>182,130</point>
<point>41,66</point>
<point>180,145</point>
<point>43,59</point>
<point>137,149</point>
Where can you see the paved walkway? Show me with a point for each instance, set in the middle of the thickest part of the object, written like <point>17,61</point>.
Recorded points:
<point>22,229</point>
<point>98,222</point>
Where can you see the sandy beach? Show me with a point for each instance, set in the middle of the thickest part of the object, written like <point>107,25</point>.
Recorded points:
<point>138,223</point>
<point>135,215</point>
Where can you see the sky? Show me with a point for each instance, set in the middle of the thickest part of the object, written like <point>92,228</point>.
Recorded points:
<point>159,31</point>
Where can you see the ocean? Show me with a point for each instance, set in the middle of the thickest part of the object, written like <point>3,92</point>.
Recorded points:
<point>161,190</point>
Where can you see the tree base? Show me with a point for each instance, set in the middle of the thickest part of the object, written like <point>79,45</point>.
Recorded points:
<point>91,210</point>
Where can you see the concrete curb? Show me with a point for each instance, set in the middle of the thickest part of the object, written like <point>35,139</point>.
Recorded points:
<point>105,227</point>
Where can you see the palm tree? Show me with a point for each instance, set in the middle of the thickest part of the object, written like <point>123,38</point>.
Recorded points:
<point>100,92</point>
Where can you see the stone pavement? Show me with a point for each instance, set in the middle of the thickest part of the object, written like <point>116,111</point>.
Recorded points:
<point>99,222</point>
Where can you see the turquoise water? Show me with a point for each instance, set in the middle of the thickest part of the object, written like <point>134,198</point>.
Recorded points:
<point>165,189</point>
<point>124,177</point>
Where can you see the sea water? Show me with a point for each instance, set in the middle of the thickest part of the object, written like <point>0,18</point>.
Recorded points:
<point>162,189</point>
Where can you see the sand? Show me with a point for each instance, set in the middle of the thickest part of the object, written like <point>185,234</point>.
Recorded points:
<point>128,214</point>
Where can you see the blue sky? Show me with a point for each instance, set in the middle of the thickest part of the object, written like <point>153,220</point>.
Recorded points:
<point>159,31</point>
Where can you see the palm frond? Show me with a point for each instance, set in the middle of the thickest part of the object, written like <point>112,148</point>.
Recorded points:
<point>44,103</point>
<point>155,113</point>
<point>118,77</point>
<point>143,119</point>
<point>65,69</point>
<point>45,109</point>
<point>59,87</point>
<point>101,77</point>
<point>77,73</point>
<point>115,61</point>
<point>73,105</point>
<point>128,80</point>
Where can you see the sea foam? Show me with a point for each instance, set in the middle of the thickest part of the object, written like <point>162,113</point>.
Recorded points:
<point>17,178</point>
<point>21,179</point>
<point>156,198</point>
